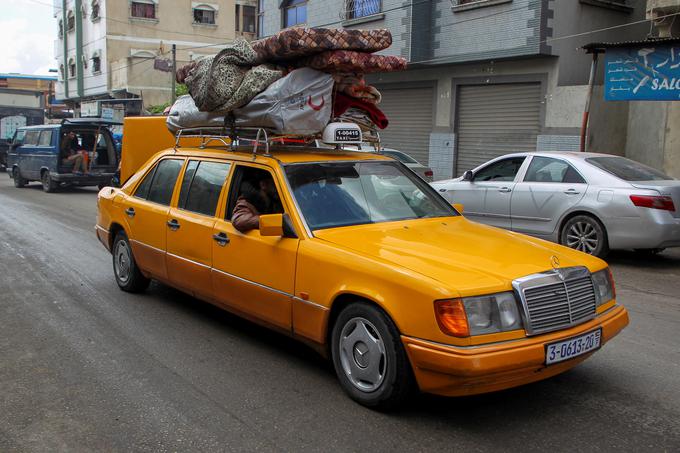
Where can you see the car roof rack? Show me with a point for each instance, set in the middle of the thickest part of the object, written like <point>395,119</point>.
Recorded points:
<point>263,140</point>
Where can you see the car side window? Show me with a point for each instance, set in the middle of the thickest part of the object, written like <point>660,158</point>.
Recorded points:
<point>159,184</point>
<point>31,138</point>
<point>202,185</point>
<point>19,138</point>
<point>257,187</point>
<point>503,170</point>
<point>547,169</point>
<point>45,138</point>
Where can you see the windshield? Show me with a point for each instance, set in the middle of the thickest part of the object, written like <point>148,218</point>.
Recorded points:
<point>338,194</point>
<point>400,156</point>
<point>627,169</point>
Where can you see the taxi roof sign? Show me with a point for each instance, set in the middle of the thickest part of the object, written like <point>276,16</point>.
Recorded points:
<point>342,134</point>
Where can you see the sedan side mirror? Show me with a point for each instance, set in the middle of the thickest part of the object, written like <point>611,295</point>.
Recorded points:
<point>277,225</point>
<point>468,175</point>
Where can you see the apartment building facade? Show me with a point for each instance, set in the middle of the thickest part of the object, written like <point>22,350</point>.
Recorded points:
<point>485,77</point>
<point>122,49</point>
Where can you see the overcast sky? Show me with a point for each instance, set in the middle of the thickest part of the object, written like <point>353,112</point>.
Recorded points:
<point>27,33</point>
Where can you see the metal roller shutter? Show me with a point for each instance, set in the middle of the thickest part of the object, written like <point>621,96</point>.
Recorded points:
<point>409,111</point>
<point>494,120</point>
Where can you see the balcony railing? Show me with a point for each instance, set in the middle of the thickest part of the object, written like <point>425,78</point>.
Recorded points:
<point>355,9</point>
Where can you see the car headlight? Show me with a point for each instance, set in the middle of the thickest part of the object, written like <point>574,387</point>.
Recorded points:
<point>604,286</point>
<point>478,315</point>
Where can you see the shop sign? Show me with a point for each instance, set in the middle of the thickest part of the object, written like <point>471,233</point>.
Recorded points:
<point>642,73</point>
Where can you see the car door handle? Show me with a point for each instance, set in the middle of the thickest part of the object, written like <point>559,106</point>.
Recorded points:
<point>173,224</point>
<point>572,192</point>
<point>505,189</point>
<point>130,212</point>
<point>221,238</point>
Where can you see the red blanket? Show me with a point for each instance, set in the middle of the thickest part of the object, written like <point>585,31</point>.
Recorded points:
<point>343,102</point>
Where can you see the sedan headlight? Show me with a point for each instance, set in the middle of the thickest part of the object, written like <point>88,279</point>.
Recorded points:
<point>478,315</point>
<point>604,286</point>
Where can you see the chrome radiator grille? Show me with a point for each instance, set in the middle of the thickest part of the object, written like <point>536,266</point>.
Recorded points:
<point>556,300</point>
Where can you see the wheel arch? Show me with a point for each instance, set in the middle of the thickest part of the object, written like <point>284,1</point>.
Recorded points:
<point>570,215</point>
<point>114,229</point>
<point>343,300</point>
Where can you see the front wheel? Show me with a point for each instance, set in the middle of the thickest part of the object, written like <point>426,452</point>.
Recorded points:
<point>19,181</point>
<point>369,359</point>
<point>128,276</point>
<point>586,234</point>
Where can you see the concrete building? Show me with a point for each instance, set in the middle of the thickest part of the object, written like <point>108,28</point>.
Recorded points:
<point>25,100</point>
<point>122,49</point>
<point>487,77</point>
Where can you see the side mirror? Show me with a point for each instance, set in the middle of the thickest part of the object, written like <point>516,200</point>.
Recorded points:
<point>277,225</point>
<point>271,225</point>
<point>468,175</point>
<point>458,207</point>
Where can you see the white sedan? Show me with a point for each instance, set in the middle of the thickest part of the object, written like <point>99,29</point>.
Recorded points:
<point>586,201</point>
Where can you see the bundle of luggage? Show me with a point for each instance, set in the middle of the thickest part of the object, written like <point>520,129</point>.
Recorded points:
<point>292,83</point>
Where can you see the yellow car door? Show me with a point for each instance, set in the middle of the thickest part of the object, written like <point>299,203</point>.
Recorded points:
<point>146,212</point>
<point>253,274</point>
<point>190,226</point>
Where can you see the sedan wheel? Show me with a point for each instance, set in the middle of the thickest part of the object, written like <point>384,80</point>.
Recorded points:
<point>585,234</point>
<point>128,276</point>
<point>369,358</point>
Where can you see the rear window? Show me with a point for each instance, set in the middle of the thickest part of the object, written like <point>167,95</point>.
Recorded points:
<point>401,157</point>
<point>160,182</point>
<point>45,138</point>
<point>201,187</point>
<point>627,169</point>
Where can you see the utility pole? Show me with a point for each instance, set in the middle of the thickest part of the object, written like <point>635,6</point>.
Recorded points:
<point>174,71</point>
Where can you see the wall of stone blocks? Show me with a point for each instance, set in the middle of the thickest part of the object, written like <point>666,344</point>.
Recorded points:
<point>558,143</point>
<point>442,146</point>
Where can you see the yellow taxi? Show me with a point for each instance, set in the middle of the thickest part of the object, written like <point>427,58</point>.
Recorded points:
<point>357,257</point>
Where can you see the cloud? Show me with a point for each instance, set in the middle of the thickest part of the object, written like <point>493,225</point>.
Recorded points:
<point>27,30</point>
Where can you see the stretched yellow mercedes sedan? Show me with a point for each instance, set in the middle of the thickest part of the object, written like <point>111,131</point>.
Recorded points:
<point>355,255</point>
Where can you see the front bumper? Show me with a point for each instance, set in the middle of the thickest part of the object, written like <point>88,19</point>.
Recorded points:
<point>456,371</point>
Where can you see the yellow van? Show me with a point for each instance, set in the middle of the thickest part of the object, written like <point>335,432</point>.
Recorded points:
<point>359,258</point>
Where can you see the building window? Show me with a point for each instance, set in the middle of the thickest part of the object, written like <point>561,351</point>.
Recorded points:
<point>71,68</point>
<point>237,16</point>
<point>205,15</point>
<point>70,21</point>
<point>61,29</point>
<point>260,18</point>
<point>249,19</point>
<point>294,13</point>
<point>96,64</point>
<point>61,71</point>
<point>143,9</point>
<point>362,8</point>
<point>95,11</point>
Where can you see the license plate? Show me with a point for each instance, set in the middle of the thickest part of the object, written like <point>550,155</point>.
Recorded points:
<point>573,347</point>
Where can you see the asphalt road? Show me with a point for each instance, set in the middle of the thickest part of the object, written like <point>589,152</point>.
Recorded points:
<point>86,367</point>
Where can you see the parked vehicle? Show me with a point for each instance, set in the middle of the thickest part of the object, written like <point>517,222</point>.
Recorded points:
<point>587,201</point>
<point>362,260</point>
<point>36,154</point>
<point>419,169</point>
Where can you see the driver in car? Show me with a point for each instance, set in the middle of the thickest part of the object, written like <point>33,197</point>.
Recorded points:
<point>254,202</point>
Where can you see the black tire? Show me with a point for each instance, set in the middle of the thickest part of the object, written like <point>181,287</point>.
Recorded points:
<point>48,184</point>
<point>19,181</point>
<point>393,380</point>
<point>586,234</point>
<point>125,269</point>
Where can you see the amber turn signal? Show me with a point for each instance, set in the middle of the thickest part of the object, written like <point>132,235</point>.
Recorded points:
<point>451,317</point>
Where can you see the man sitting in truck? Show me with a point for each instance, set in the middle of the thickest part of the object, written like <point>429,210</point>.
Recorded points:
<point>70,153</point>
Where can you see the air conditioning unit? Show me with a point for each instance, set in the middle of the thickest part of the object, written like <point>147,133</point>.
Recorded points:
<point>664,13</point>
